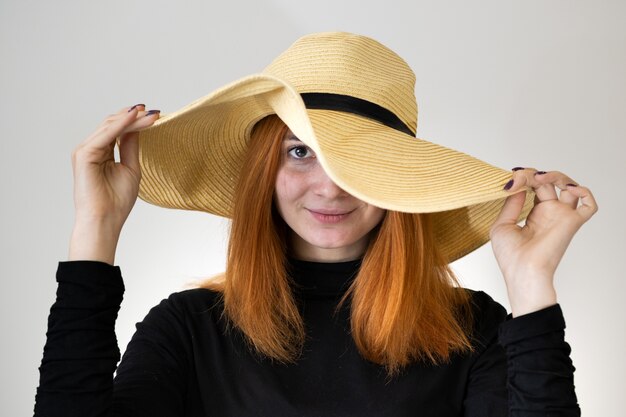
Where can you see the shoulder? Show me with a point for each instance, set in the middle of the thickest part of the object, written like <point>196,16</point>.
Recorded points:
<point>192,305</point>
<point>195,300</point>
<point>485,307</point>
<point>487,314</point>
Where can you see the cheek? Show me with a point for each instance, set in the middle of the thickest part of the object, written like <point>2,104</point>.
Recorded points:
<point>374,217</point>
<point>378,215</point>
<point>286,189</point>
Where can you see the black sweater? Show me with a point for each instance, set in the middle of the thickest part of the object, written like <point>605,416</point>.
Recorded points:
<point>182,362</point>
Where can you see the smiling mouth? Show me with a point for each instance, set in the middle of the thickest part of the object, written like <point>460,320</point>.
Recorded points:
<point>329,216</point>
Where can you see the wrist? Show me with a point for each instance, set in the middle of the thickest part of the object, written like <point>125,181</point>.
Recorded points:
<point>94,241</point>
<point>529,294</point>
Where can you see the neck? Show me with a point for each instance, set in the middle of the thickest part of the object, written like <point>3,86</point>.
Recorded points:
<point>304,251</point>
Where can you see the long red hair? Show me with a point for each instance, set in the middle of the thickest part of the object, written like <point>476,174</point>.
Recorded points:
<point>406,304</point>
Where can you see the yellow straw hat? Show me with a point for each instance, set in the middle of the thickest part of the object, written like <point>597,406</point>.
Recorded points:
<point>352,101</point>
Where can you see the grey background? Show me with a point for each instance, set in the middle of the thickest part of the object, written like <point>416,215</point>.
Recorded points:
<point>531,83</point>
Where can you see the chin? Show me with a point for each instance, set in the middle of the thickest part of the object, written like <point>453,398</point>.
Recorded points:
<point>331,242</point>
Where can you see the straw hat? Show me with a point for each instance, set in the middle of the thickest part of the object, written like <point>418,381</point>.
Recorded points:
<point>352,101</point>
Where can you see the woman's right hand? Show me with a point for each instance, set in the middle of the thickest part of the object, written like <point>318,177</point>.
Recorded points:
<point>105,191</point>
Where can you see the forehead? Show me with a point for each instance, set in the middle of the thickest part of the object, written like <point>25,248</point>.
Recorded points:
<point>289,136</point>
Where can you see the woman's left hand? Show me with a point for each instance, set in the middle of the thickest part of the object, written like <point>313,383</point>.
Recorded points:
<point>528,255</point>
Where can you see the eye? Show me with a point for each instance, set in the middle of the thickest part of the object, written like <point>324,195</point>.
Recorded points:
<point>300,152</point>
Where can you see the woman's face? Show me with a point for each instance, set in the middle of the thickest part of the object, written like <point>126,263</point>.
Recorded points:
<point>327,223</point>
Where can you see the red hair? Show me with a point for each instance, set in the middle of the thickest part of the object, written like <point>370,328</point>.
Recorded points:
<point>405,302</point>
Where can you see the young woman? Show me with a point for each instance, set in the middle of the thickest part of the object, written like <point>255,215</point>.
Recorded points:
<point>337,298</point>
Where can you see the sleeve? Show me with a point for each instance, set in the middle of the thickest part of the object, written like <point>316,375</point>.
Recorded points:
<point>540,373</point>
<point>81,351</point>
<point>151,379</point>
<point>523,367</point>
<point>486,393</point>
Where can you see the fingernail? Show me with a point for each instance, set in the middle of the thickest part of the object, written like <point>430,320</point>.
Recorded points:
<point>517,168</point>
<point>151,112</point>
<point>540,172</point>
<point>135,106</point>
<point>508,185</point>
<point>572,185</point>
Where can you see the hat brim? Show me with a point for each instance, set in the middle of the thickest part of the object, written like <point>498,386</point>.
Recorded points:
<point>191,160</point>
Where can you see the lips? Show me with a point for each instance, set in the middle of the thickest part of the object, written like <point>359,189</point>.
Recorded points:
<point>329,212</point>
<point>329,216</point>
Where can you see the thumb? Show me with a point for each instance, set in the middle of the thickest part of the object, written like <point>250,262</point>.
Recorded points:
<point>129,151</point>
<point>511,210</point>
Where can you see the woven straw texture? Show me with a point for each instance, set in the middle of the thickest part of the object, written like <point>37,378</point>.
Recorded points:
<point>191,159</point>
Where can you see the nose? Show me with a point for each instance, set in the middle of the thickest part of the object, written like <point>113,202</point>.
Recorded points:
<point>325,187</point>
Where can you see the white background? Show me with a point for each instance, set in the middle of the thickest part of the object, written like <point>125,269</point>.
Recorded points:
<point>516,83</point>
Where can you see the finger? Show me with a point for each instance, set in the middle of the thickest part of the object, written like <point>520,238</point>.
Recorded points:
<point>543,183</point>
<point>588,205</point>
<point>554,177</point>
<point>568,198</point>
<point>545,192</point>
<point>137,108</point>
<point>521,178</point>
<point>524,178</point>
<point>510,210</point>
<point>123,112</point>
<point>117,125</point>
<point>560,180</point>
<point>111,128</point>
<point>129,151</point>
<point>144,119</point>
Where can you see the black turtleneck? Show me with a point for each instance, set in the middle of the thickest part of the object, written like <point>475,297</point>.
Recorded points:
<point>322,280</point>
<point>182,361</point>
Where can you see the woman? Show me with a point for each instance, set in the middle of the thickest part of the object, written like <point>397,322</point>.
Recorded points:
<point>337,297</point>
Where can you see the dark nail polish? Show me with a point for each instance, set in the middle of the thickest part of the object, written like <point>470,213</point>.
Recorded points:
<point>135,106</point>
<point>573,185</point>
<point>540,172</point>
<point>508,185</point>
<point>517,168</point>
<point>151,112</point>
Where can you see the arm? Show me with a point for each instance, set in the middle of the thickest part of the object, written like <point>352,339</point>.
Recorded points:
<point>529,255</point>
<point>540,373</point>
<point>522,368</point>
<point>486,392</point>
<point>105,191</point>
<point>81,352</point>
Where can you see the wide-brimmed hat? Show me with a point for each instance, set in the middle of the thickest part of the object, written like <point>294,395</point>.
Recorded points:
<point>352,101</point>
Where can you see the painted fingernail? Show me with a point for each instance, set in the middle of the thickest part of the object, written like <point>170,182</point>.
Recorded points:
<point>151,112</point>
<point>508,185</point>
<point>135,106</point>
<point>572,185</point>
<point>517,168</point>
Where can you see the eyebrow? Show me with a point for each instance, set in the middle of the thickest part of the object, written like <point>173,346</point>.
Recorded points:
<point>291,138</point>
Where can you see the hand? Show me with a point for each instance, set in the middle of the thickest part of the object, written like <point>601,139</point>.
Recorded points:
<point>528,256</point>
<point>105,191</point>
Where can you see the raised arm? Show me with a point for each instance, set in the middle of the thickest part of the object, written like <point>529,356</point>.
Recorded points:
<point>105,191</point>
<point>528,256</point>
<point>81,349</point>
<point>540,372</point>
